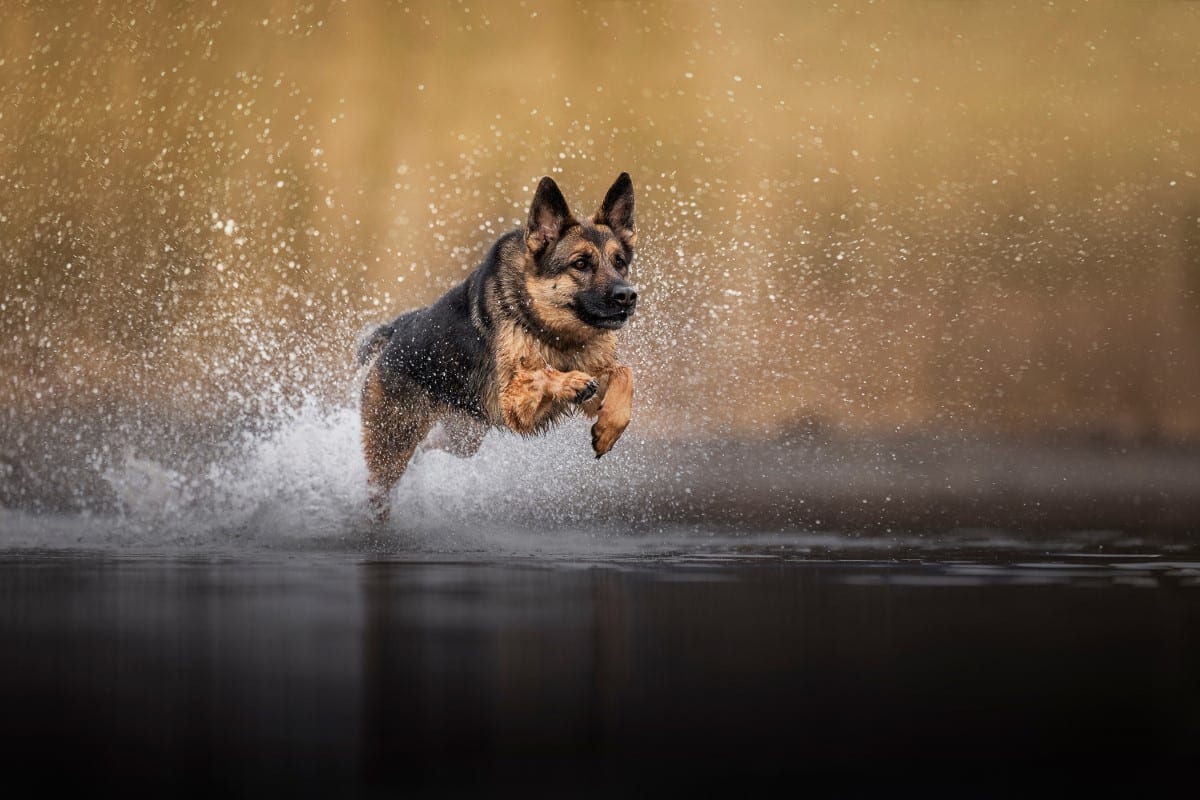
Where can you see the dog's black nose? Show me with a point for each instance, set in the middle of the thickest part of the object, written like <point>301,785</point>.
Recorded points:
<point>624,295</point>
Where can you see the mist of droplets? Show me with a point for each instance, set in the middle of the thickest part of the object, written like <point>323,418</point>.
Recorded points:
<point>851,221</point>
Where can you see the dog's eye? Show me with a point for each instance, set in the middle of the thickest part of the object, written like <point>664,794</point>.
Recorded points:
<point>619,262</point>
<point>580,263</point>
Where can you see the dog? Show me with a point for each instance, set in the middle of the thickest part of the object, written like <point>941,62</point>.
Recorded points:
<point>527,339</point>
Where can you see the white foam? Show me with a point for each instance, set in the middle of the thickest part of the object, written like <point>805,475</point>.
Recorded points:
<point>300,482</point>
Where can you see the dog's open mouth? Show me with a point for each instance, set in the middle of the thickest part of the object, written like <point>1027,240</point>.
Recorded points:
<point>610,322</point>
<point>605,320</point>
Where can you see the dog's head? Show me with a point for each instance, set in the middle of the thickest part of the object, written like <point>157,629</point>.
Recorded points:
<point>577,271</point>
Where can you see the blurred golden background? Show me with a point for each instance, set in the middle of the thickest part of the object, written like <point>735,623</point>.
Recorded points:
<point>863,217</point>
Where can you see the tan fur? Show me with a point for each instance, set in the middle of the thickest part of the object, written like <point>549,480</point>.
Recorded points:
<point>539,380</point>
<point>531,399</point>
<point>391,432</point>
<point>546,231</point>
<point>615,410</point>
<point>624,234</point>
<point>550,300</point>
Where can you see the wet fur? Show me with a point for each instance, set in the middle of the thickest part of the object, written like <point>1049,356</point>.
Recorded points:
<point>528,338</point>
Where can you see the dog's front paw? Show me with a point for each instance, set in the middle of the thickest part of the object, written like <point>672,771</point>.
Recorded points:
<point>576,386</point>
<point>605,435</point>
<point>587,392</point>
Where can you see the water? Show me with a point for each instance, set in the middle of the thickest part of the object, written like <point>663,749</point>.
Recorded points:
<point>296,481</point>
<point>688,663</point>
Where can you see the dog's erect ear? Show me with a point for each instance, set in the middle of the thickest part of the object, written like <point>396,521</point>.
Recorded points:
<point>549,216</point>
<point>617,209</point>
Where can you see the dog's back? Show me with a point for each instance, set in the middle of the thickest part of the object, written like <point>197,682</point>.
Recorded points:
<point>440,349</point>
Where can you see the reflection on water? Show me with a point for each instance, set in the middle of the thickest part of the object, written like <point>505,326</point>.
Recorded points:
<point>952,668</point>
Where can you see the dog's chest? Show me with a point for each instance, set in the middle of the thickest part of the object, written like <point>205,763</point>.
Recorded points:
<point>593,357</point>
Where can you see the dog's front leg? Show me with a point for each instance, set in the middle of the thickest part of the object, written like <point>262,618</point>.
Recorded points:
<point>616,407</point>
<point>529,395</point>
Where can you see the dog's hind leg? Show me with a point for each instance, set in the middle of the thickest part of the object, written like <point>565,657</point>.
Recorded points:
<point>393,424</point>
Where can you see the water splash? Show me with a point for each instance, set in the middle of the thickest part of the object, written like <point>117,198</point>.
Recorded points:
<point>299,481</point>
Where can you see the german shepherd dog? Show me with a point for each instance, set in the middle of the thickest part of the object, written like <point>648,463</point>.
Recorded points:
<point>528,338</point>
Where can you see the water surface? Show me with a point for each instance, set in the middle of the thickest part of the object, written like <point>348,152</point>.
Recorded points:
<point>966,664</point>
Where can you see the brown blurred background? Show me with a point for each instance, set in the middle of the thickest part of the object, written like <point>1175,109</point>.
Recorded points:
<point>863,218</point>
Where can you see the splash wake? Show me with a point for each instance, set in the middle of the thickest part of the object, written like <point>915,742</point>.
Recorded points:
<point>298,481</point>
<point>301,482</point>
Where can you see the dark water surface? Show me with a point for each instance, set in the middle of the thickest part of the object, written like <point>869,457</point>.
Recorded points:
<point>961,668</point>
